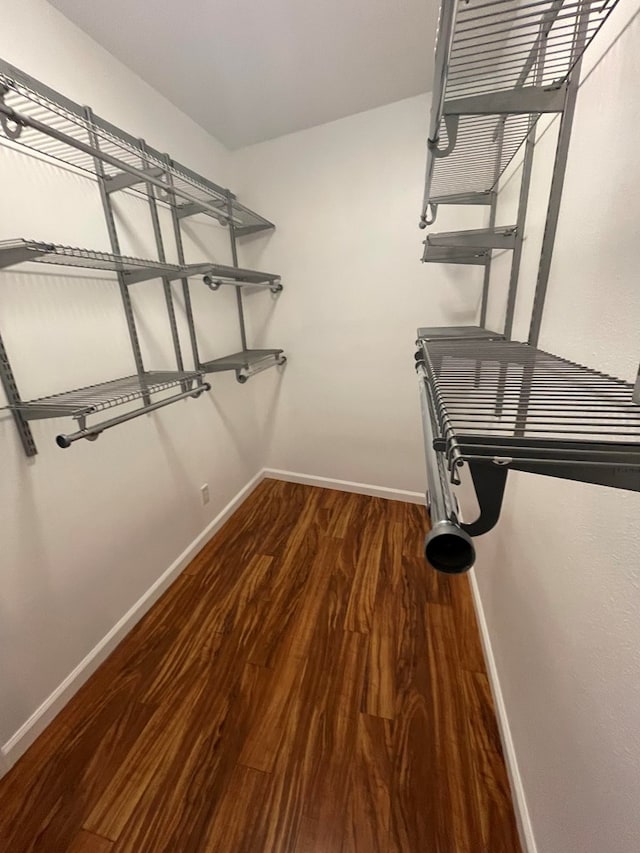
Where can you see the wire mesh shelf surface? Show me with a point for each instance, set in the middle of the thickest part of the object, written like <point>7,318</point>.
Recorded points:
<point>73,132</point>
<point>508,402</point>
<point>20,250</point>
<point>454,255</point>
<point>500,46</point>
<point>104,395</point>
<point>432,333</point>
<point>240,360</point>
<point>221,274</point>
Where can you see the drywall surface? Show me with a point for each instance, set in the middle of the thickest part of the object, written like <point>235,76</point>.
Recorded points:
<point>87,531</point>
<point>346,197</point>
<point>559,578</point>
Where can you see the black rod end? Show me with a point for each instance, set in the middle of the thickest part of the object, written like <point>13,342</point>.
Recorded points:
<point>63,441</point>
<point>449,549</point>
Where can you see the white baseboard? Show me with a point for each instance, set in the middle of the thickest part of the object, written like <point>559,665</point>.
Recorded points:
<point>18,744</point>
<point>523,819</point>
<point>345,486</point>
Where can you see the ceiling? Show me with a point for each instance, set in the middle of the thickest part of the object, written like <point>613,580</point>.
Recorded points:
<point>250,70</point>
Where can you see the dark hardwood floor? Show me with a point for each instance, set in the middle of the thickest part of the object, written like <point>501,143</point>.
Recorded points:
<point>308,685</point>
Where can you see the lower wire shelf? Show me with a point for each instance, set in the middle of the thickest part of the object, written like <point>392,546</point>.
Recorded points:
<point>82,402</point>
<point>246,363</point>
<point>502,405</point>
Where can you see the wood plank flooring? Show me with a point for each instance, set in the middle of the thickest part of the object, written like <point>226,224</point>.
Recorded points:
<point>308,685</point>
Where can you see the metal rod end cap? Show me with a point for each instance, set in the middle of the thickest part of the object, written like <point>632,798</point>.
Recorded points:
<point>449,549</point>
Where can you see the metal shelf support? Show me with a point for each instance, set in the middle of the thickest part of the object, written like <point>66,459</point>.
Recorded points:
<point>13,398</point>
<point>524,100</point>
<point>115,247</point>
<point>114,183</point>
<point>166,282</point>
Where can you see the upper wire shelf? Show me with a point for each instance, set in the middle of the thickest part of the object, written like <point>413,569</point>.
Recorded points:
<point>510,404</point>
<point>499,65</point>
<point>33,115</point>
<point>18,251</point>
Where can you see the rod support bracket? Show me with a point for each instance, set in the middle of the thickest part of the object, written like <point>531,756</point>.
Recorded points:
<point>489,481</point>
<point>9,120</point>
<point>451,124</point>
<point>212,284</point>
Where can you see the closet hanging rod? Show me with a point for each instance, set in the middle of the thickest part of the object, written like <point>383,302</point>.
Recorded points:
<point>214,282</point>
<point>144,176</point>
<point>447,546</point>
<point>91,433</point>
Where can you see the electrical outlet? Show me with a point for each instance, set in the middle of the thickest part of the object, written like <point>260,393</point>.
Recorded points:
<point>204,492</point>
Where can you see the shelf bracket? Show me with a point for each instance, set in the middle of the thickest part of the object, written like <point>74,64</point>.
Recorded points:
<point>636,390</point>
<point>625,477</point>
<point>20,254</point>
<point>13,398</point>
<point>245,230</point>
<point>485,198</point>
<point>123,180</point>
<point>489,481</point>
<point>184,210</point>
<point>481,238</point>
<point>452,255</point>
<point>529,99</point>
<point>147,273</point>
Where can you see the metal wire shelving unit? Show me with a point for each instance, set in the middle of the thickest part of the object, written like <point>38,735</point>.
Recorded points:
<point>488,402</point>
<point>39,118</point>
<point>499,66</point>
<point>36,117</point>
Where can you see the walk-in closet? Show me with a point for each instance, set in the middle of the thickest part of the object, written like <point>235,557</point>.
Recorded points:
<point>320,426</point>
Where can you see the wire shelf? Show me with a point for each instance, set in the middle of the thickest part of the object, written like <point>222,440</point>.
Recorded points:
<point>105,395</point>
<point>34,101</point>
<point>443,333</point>
<point>453,255</point>
<point>217,274</point>
<point>488,47</point>
<point>244,360</point>
<point>509,403</point>
<point>20,250</point>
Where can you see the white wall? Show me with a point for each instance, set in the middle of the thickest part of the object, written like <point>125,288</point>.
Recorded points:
<point>346,197</point>
<point>87,531</point>
<point>559,578</point>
